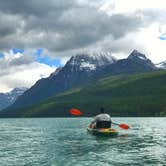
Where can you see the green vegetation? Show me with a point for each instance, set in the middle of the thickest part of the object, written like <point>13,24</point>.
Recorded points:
<point>122,95</point>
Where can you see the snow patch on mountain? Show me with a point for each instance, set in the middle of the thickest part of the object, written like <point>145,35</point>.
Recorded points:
<point>87,65</point>
<point>161,65</point>
<point>142,57</point>
<point>138,55</point>
<point>90,61</point>
<point>9,98</point>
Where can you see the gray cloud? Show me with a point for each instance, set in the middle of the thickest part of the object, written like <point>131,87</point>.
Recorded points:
<point>11,61</point>
<point>62,26</point>
<point>23,60</point>
<point>10,24</point>
<point>38,8</point>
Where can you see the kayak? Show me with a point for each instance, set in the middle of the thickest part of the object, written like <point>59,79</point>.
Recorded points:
<point>103,132</point>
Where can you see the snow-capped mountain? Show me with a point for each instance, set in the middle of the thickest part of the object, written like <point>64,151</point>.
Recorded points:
<point>77,71</point>
<point>141,58</point>
<point>136,54</point>
<point>80,70</point>
<point>91,61</point>
<point>161,65</point>
<point>9,98</point>
<point>135,63</point>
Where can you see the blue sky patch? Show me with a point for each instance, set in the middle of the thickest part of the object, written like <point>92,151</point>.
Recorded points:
<point>39,52</point>
<point>46,59</point>
<point>17,50</point>
<point>163,36</point>
<point>1,55</point>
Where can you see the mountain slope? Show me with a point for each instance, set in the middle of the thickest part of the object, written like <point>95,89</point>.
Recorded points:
<point>77,71</point>
<point>123,95</point>
<point>135,63</point>
<point>80,70</point>
<point>9,98</point>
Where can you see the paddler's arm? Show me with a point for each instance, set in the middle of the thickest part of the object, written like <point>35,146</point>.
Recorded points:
<point>93,123</point>
<point>95,119</point>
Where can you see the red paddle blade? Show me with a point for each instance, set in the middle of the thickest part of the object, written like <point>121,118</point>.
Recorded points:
<point>124,126</point>
<point>75,112</point>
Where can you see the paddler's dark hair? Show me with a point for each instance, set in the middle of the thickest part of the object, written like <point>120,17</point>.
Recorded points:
<point>102,110</point>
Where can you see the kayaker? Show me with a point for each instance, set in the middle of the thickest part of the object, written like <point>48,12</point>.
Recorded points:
<point>102,120</point>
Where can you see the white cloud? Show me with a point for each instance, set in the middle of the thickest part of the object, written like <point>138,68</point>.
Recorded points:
<point>147,41</point>
<point>128,6</point>
<point>65,29</point>
<point>13,74</point>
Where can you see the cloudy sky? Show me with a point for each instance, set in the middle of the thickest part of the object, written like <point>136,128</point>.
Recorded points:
<point>37,36</point>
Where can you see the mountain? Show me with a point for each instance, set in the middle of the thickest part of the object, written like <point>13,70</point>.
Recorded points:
<point>81,70</point>
<point>142,60</point>
<point>6,99</point>
<point>161,65</point>
<point>122,95</point>
<point>78,71</point>
<point>136,62</point>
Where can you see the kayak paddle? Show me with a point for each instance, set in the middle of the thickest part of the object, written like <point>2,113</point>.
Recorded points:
<point>123,126</point>
<point>75,112</point>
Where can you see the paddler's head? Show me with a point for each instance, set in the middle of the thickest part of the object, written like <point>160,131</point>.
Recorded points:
<point>102,110</point>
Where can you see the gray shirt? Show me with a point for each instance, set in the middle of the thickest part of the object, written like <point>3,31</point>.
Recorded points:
<point>102,117</point>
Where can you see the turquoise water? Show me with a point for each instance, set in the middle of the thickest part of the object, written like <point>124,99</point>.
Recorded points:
<point>65,142</point>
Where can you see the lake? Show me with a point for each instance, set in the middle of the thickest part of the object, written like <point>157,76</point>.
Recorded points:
<point>65,142</point>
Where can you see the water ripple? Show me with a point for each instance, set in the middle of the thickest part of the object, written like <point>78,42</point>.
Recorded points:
<point>65,142</point>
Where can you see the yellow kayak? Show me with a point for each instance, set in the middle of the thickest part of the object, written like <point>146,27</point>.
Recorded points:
<point>103,132</point>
